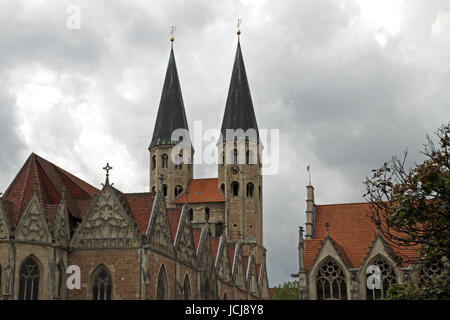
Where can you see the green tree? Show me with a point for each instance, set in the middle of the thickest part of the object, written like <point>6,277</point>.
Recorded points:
<point>288,291</point>
<point>411,208</point>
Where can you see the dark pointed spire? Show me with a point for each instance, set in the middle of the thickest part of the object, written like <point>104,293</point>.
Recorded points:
<point>171,114</point>
<point>239,112</point>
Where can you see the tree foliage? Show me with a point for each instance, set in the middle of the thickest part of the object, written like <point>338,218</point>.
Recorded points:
<point>411,206</point>
<point>288,291</point>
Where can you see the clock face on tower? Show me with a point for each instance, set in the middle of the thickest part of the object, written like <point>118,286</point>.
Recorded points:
<point>235,169</point>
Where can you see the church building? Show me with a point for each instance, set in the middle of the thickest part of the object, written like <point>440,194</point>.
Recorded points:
<point>185,238</point>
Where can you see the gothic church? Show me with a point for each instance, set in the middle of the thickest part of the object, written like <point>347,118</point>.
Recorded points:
<point>184,239</point>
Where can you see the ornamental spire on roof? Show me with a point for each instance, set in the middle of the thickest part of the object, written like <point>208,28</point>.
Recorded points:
<point>171,113</point>
<point>239,112</point>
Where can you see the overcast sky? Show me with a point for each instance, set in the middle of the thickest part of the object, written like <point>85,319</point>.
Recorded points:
<point>348,83</point>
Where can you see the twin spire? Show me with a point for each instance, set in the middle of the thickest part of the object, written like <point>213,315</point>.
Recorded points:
<point>239,112</point>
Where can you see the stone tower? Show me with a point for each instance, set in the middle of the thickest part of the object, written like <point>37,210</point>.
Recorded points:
<point>239,169</point>
<point>171,130</point>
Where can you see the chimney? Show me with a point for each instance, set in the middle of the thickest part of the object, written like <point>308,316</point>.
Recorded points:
<point>310,210</point>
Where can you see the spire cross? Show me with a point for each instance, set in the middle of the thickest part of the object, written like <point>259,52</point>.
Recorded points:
<point>238,25</point>
<point>107,169</point>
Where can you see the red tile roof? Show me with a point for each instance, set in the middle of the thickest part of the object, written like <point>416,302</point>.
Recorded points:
<point>202,190</point>
<point>351,230</point>
<point>196,232</point>
<point>140,205</point>
<point>48,180</point>
<point>215,241</point>
<point>174,220</point>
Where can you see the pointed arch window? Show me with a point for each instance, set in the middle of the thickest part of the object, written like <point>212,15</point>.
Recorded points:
<point>250,189</point>
<point>387,279</point>
<point>29,280</point>
<point>222,188</point>
<point>225,297</point>
<point>161,292</point>
<point>235,188</point>
<point>102,284</point>
<point>165,161</point>
<point>330,282</point>
<point>187,288</point>
<point>153,163</point>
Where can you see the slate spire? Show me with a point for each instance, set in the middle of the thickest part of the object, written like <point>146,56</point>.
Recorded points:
<point>171,113</point>
<point>239,112</point>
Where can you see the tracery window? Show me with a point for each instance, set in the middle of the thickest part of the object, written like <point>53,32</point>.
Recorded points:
<point>331,283</point>
<point>430,272</point>
<point>29,280</point>
<point>187,288</point>
<point>387,279</point>
<point>101,288</point>
<point>161,293</point>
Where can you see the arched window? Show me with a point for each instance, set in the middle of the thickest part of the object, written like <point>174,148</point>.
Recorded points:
<point>331,282</point>
<point>235,188</point>
<point>235,156</point>
<point>178,190</point>
<point>165,161</point>
<point>250,189</point>
<point>187,288</point>
<point>59,281</point>
<point>153,189</point>
<point>223,157</point>
<point>259,192</point>
<point>29,280</point>
<point>249,159</point>
<point>165,190</point>
<point>387,278</point>
<point>153,162</point>
<point>225,297</point>
<point>161,292</point>
<point>102,284</point>
<point>222,188</point>
<point>191,214</point>
<point>206,214</point>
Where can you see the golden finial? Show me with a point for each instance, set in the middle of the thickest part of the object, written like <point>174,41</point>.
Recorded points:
<point>172,30</point>
<point>238,25</point>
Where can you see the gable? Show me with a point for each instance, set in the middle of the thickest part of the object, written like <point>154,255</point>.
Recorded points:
<point>184,239</point>
<point>33,225</point>
<point>158,231</point>
<point>239,269</point>
<point>223,261</point>
<point>62,231</point>
<point>252,277</point>
<point>4,224</point>
<point>264,282</point>
<point>106,225</point>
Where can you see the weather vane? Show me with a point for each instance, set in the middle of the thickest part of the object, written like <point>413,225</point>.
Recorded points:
<point>172,30</point>
<point>238,25</point>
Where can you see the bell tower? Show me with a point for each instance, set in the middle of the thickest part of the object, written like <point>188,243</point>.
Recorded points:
<point>239,168</point>
<point>171,152</point>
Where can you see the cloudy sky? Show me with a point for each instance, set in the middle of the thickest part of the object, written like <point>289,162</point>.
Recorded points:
<point>348,83</point>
